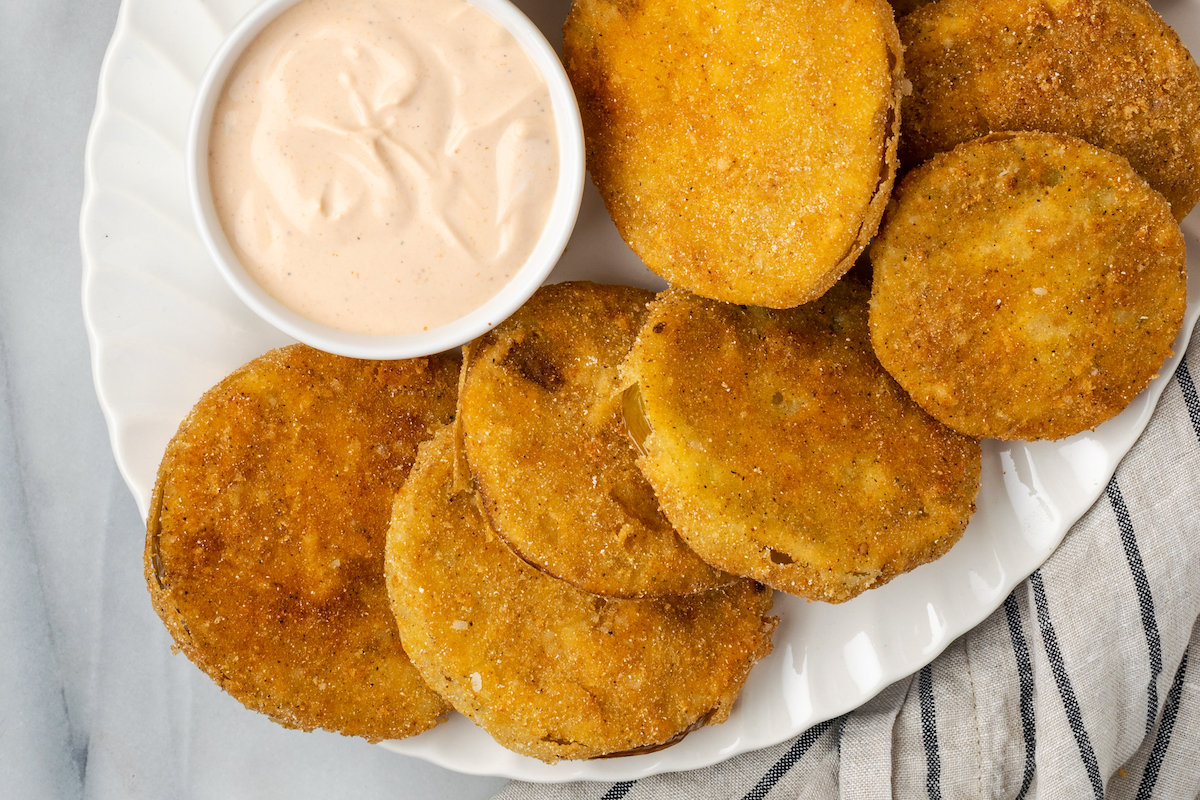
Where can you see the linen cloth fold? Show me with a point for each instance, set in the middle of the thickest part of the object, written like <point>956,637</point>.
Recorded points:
<point>1085,683</point>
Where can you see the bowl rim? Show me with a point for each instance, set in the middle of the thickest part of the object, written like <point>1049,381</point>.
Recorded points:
<point>528,277</point>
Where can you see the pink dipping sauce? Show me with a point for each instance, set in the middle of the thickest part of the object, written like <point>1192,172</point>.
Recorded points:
<point>383,166</point>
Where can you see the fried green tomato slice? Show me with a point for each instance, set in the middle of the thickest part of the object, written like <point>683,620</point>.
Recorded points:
<point>1027,286</point>
<point>548,670</point>
<point>1110,72</point>
<point>782,451</point>
<point>745,150</point>
<point>264,547</point>
<point>545,438</point>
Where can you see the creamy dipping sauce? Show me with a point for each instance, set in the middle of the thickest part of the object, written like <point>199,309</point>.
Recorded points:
<point>383,166</point>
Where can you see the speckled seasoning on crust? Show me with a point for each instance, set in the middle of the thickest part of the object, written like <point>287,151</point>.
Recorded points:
<point>264,547</point>
<point>548,670</point>
<point>1027,286</point>
<point>1110,72</point>
<point>782,451</point>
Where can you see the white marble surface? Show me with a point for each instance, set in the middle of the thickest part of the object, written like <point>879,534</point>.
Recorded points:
<point>84,711</point>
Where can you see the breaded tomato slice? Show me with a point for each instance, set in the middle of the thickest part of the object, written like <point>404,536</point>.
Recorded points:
<point>1110,72</point>
<point>782,451</point>
<point>745,150</point>
<point>548,670</point>
<point>1027,286</point>
<point>540,413</point>
<point>264,547</point>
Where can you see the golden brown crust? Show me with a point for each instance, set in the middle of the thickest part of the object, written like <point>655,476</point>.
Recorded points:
<point>264,548</point>
<point>1110,72</point>
<point>782,451</point>
<point>1027,286</point>
<point>543,432</point>
<point>745,154</point>
<point>548,670</point>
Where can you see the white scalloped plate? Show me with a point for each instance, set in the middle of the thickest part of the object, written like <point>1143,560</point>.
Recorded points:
<point>164,328</point>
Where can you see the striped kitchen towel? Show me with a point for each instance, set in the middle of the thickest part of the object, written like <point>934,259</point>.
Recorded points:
<point>1085,683</point>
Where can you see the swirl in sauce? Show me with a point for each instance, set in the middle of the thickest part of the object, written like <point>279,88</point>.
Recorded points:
<point>383,166</point>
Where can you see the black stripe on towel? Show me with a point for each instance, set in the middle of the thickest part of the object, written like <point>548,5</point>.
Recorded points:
<point>1163,739</point>
<point>933,759</point>
<point>618,790</point>
<point>1065,690</point>
<point>799,747</point>
<point>1188,387</point>
<point>1016,630</point>
<point>1145,598</point>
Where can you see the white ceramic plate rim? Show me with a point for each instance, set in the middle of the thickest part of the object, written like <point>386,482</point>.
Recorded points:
<point>163,327</point>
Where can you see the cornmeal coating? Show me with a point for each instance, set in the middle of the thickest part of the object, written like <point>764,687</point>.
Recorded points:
<point>782,451</point>
<point>548,670</point>
<point>545,438</point>
<point>1027,286</point>
<point>264,547</point>
<point>1110,72</point>
<point>745,150</point>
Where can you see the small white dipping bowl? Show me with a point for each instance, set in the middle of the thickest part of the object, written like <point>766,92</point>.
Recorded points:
<point>452,334</point>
